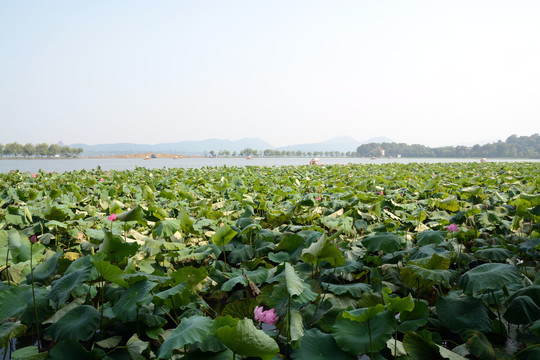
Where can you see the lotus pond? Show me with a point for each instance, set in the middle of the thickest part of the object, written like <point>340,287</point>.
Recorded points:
<point>394,261</point>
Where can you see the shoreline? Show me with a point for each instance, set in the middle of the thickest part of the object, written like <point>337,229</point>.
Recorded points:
<point>119,156</point>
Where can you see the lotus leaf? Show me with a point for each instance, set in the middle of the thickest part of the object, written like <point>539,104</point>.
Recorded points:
<point>317,345</point>
<point>191,330</point>
<point>365,337</point>
<point>459,312</point>
<point>385,242</point>
<point>490,276</point>
<point>78,323</point>
<point>246,340</point>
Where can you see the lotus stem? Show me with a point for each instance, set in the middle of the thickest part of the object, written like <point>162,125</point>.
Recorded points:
<point>370,341</point>
<point>7,267</point>
<point>102,304</point>
<point>289,320</point>
<point>498,312</point>
<point>34,298</point>
<point>395,342</point>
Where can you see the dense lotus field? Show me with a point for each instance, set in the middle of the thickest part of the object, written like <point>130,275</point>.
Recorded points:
<point>419,261</point>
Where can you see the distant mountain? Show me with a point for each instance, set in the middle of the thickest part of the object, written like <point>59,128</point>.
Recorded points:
<point>182,147</point>
<point>341,143</point>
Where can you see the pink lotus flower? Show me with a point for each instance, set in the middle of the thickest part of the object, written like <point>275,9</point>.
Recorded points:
<point>33,239</point>
<point>318,198</point>
<point>33,175</point>
<point>410,179</point>
<point>108,173</point>
<point>381,192</point>
<point>268,317</point>
<point>101,179</point>
<point>452,228</point>
<point>112,217</point>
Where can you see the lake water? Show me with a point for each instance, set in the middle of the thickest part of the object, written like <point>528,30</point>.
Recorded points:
<point>63,165</point>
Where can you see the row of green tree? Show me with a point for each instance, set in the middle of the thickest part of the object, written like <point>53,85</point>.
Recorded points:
<point>514,147</point>
<point>15,149</point>
<point>280,153</point>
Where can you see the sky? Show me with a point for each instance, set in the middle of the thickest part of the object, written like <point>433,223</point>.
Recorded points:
<point>288,72</point>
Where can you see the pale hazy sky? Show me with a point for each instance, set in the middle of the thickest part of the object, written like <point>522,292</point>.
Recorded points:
<point>288,72</point>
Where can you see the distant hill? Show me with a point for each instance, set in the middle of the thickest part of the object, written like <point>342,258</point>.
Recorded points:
<point>199,147</point>
<point>340,143</point>
<point>525,147</point>
<point>191,147</point>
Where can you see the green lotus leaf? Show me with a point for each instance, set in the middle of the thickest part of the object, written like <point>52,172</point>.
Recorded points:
<point>317,345</point>
<point>490,276</point>
<point>224,235</point>
<point>61,288</point>
<point>109,343</point>
<point>137,294</point>
<point>532,291</point>
<point>116,248</point>
<point>186,223</point>
<point>279,257</point>
<point>459,312</point>
<point>135,214</point>
<point>10,330</point>
<point>355,289</point>
<point>479,345</point>
<point>296,325</point>
<point>530,247</point>
<point>243,308</point>
<point>493,254</point>
<point>173,297</point>
<point>420,346</point>
<point>363,314</point>
<point>165,228</point>
<point>64,309</point>
<point>111,272</point>
<point>295,285</point>
<point>385,242</point>
<point>430,237</point>
<point>522,310</point>
<point>355,338</point>
<point>431,271</point>
<point>78,323</point>
<point>242,277</point>
<point>45,270</point>
<point>72,349</point>
<point>397,304</point>
<point>192,276</point>
<point>147,193</point>
<point>450,203</point>
<point>59,213</point>
<point>529,354</point>
<point>135,347</point>
<point>191,330</point>
<point>246,340</point>
<point>321,250</point>
<point>28,353</point>
<point>18,246</point>
<point>412,320</point>
<point>293,244</point>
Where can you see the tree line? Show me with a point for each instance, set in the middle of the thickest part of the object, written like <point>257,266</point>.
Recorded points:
<point>279,153</point>
<point>15,149</point>
<point>514,147</point>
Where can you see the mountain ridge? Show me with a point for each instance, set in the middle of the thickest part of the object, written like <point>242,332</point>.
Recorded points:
<point>200,147</point>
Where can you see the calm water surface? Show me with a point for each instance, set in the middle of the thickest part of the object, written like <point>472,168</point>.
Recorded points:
<point>63,165</point>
